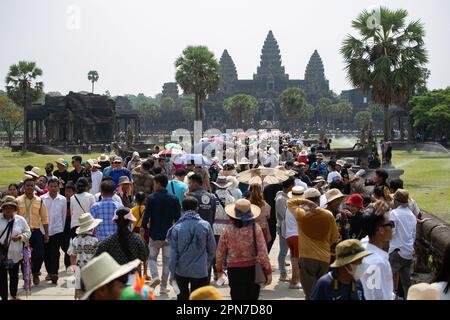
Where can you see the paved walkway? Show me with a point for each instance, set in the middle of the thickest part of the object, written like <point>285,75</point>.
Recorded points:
<point>48,291</point>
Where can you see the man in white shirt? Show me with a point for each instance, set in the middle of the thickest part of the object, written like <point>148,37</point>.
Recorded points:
<point>96,176</point>
<point>377,279</point>
<point>335,173</point>
<point>401,248</point>
<point>57,209</point>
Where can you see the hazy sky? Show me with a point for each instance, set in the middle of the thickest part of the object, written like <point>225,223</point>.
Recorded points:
<point>133,44</point>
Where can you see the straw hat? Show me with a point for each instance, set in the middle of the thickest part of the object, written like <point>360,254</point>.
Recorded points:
<point>234,181</point>
<point>124,180</point>
<point>297,192</point>
<point>242,206</point>
<point>222,182</point>
<point>349,251</point>
<point>61,161</point>
<point>423,291</point>
<point>87,223</point>
<point>311,193</point>
<point>319,179</point>
<point>401,196</point>
<point>333,194</point>
<point>102,270</point>
<point>103,157</point>
<point>340,162</point>
<point>35,172</point>
<point>9,201</point>
<point>244,160</point>
<point>206,293</point>
<point>27,177</point>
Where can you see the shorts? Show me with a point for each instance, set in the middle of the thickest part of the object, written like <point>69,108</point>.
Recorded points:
<point>292,243</point>
<point>146,234</point>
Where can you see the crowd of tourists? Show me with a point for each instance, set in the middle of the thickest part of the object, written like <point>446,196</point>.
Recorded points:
<point>348,236</point>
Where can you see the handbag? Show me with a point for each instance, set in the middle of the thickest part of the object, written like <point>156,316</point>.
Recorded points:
<point>260,276</point>
<point>4,247</point>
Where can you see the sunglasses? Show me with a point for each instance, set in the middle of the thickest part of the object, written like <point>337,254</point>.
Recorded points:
<point>389,224</point>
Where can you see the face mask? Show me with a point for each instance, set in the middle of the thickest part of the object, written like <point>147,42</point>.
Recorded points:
<point>357,271</point>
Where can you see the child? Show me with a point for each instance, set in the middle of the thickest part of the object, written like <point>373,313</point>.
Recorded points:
<point>83,248</point>
<point>138,212</point>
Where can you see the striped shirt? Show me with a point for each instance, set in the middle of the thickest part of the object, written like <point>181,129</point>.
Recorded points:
<point>105,210</point>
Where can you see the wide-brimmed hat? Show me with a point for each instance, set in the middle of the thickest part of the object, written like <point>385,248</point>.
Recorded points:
<point>319,179</point>
<point>9,201</point>
<point>117,160</point>
<point>401,196</point>
<point>61,161</point>
<point>27,177</point>
<point>333,194</point>
<point>303,153</point>
<point>230,162</point>
<point>296,192</point>
<point>242,209</point>
<point>311,193</point>
<point>102,270</point>
<point>87,223</point>
<point>233,180</point>
<point>124,180</point>
<point>206,293</point>
<point>128,215</point>
<point>103,157</point>
<point>222,182</point>
<point>355,200</point>
<point>349,251</point>
<point>423,291</point>
<point>244,160</point>
<point>34,172</point>
<point>319,156</point>
<point>340,162</point>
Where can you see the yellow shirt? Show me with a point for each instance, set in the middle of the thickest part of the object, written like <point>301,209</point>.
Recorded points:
<point>317,231</point>
<point>34,211</point>
<point>138,213</point>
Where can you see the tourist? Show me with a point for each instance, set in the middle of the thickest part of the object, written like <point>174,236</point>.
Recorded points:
<point>34,210</point>
<point>206,200</point>
<point>312,156</point>
<point>223,198</point>
<point>81,202</point>
<point>177,186</point>
<point>343,282</point>
<point>320,183</point>
<point>78,171</point>
<point>104,279</point>
<point>380,179</point>
<point>203,172</point>
<point>381,193</point>
<point>396,184</point>
<point>300,174</point>
<point>357,183</point>
<point>243,244</point>
<point>214,169</point>
<point>292,226</point>
<point>68,233</point>
<point>162,211</point>
<point>256,197</point>
<point>234,190</point>
<point>62,172</point>
<point>124,245</point>
<point>318,168</point>
<point>13,190</point>
<point>96,176</point>
<point>14,232</point>
<point>142,178</point>
<point>135,161</point>
<point>335,172</point>
<point>317,233</point>
<point>41,182</point>
<point>49,171</point>
<point>119,171</point>
<point>354,214</point>
<point>401,247</point>
<point>377,279</point>
<point>303,157</point>
<point>280,208</point>
<point>156,150</point>
<point>286,154</point>
<point>346,178</point>
<point>83,247</point>
<point>104,210</point>
<point>111,165</point>
<point>34,173</point>
<point>125,191</point>
<point>57,210</point>
<point>115,197</point>
<point>193,248</point>
<point>167,168</point>
<point>442,280</point>
<point>138,212</point>
<point>229,168</point>
<point>103,161</point>
<point>269,193</point>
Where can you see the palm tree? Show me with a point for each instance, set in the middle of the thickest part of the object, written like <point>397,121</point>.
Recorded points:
<point>93,77</point>
<point>387,58</point>
<point>293,103</point>
<point>198,73</point>
<point>324,110</point>
<point>23,88</point>
<point>241,107</point>
<point>345,111</point>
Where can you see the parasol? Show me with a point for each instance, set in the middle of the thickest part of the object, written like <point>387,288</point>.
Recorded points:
<point>27,269</point>
<point>262,175</point>
<point>197,159</point>
<point>171,146</point>
<point>169,152</point>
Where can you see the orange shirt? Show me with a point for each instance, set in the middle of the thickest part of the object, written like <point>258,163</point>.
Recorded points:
<point>317,231</point>
<point>33,211</point>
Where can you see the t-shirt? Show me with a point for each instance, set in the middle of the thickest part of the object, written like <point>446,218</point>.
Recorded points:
<point>96,178</point>
<point>325,289</point>
<point>83,247</point>
<point>291,225</point>
<point>116,174</point>
<point>138,213</point>
<point>178,188</point>
<point>333,175</point>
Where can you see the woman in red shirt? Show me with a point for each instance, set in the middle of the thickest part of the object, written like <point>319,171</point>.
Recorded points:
<point>237,243</point>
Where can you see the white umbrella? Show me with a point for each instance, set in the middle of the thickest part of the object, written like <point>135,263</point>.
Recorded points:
<point>198,159</point>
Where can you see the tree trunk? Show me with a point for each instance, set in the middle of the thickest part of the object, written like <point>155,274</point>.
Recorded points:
<point>92,86</point>
<point>10,139</point>
<point>386,133</point>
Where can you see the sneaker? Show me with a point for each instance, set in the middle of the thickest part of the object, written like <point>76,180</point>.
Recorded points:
<point>163,290</point>
<point>155,283</point>
<point>295,286</point>
<point>284,278</point>
<point>287,264</point>
<point>36,279</point>
<point>48,277</point>
<point>54,279</point>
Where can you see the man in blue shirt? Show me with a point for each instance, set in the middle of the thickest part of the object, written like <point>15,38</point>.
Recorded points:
<point>342,283</point>
<point>161,212</point>
<point>119,171</point>
<point>177,186</point>
<point>192,249</point>
<point>319,168</point>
